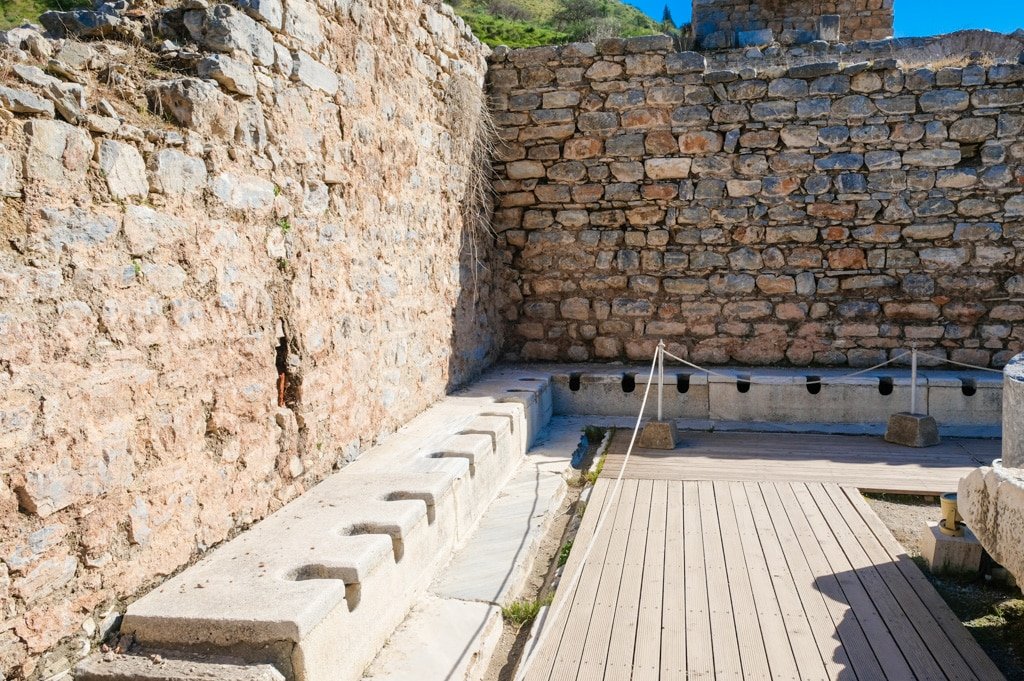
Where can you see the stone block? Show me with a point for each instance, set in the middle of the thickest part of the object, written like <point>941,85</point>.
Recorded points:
<point>950,555</point>
<point>23,101</point>
<point>175,173</point>
<point>312,73</point>
<point>659,435</point>
<point>755,38</point>
<point>269,12</point>
<point>964,398</point>
<point>115,667</point>
<point>124,170</point>
<point>991,501</point>
<point>223,29</point>
<point>719,40</point>
<point>829,27</point>
<point>232,75</point>
<point>912,430</point>
<point>813,70</point>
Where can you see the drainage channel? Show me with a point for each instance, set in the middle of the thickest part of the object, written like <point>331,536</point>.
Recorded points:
<point>550,561</point>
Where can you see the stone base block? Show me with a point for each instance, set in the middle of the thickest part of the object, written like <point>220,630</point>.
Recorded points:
<point>958,555</point>
<point>912,430</point>
<point>991,501</point>
<point>757,38</point>
<point>828,27</point>
<point>659,435</point>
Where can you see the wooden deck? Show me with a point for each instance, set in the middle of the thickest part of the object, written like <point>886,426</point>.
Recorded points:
<point>748,580</point>
<point>868,463</point>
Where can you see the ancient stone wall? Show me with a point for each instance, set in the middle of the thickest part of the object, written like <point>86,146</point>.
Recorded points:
<point>194,203</point>
<point>822,213</point>
<point>790,19</point>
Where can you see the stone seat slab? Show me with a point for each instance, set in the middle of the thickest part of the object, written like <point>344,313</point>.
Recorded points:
<point>165,668</point>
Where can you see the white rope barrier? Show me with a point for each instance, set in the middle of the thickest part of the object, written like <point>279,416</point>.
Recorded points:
<point>609,501</point>
<point>818,381</point>
<point>959,364</point>
<point>834,379</point>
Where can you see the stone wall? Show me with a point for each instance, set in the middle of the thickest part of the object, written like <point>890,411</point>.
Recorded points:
<point>826,213</point>
<point>279,190</point>
<point>790,20</point>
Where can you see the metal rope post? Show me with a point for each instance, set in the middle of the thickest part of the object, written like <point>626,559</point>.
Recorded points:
<point>913,378</point>
<point>661,373</point>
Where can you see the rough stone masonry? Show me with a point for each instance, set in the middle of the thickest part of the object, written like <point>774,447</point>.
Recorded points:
<point>827,205</point>
<point>233,254</point>
<point>725,23</point>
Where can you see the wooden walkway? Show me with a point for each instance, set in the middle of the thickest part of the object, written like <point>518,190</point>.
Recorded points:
<point>868,463</point>
<point>748,580</point>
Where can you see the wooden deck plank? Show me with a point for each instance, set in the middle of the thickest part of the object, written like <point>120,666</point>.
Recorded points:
<point>582,664</point>
<point>844,623</point>
<point>579,602</point>
<point>757,559</point>
<point>914,650</point>
<point>914,646</point>
<point>700,663</point>
<point>724,643</point>
<point>673,606</point>
<point>830,647</point>
<point>868,463</point>
<point>801,638</point>
<point>781,662</point>
<point>888,654</point>
<point>619,663</point>
<point>948,659</point>
<point>647,653</point>
<point>972,653</point>
<point>753,658</point>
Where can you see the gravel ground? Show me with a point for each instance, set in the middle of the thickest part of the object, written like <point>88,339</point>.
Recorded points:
<point>905,516</point>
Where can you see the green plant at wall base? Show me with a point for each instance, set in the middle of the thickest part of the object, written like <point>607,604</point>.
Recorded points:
<point>137,268</point>
<point>563,553</point>
<point>594,473</point>
<point>285,225</point>
<point>522,611</point>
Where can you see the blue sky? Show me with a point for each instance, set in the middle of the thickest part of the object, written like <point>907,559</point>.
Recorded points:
<point>913,17</point>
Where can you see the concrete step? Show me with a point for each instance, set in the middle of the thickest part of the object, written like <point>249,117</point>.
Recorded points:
<point>115,667</point>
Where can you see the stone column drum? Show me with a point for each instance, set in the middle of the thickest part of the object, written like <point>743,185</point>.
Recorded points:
<point>1013,413</point>
<point>991,499</point>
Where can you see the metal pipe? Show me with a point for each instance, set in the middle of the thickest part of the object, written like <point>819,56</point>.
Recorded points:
<point>951,523</point>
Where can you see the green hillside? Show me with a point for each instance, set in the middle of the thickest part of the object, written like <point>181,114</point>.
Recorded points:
<point>526,23</point>
<point>16,12</point>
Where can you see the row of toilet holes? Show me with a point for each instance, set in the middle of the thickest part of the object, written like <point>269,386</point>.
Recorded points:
<point>968,386</point>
